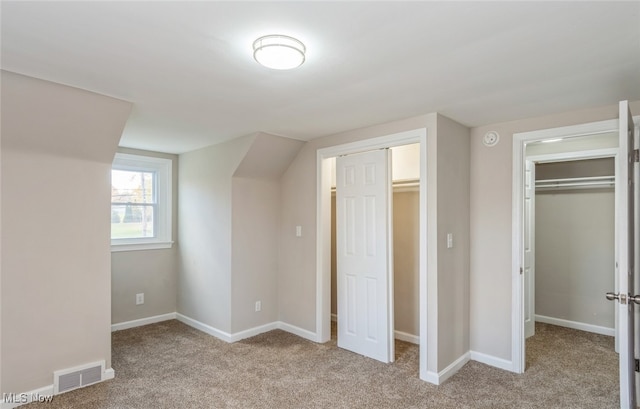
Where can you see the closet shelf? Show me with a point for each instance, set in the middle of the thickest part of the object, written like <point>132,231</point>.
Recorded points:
<point>593,182</point>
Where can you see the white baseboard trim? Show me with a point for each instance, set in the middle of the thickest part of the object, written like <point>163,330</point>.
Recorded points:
<point>44,394</point>
<point>207,329</point>
<point>406,337</point>
<point>302,333</point>
<point>577,325</point>
<point>252,332</point>
<point>109,374</point>
<point>431,377</point>
<point>142,321</point>
<point>491,361</point>
<point>448,372</point>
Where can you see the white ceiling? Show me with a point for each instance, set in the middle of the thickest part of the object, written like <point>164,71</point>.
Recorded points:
<point>188,66</point>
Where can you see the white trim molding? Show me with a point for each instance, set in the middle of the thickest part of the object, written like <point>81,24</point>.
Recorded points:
<point>109,373</point>
<point>406,337</point>
<point>207,329</point>
<point>143,321</point>
<point>596,329</point>
<point>491,361</point>
<point>449,371</point>
<point>251,332</point>
<point>302,333</point>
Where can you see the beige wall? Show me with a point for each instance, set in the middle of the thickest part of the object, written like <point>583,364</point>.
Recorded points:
<point>491,248</point>
<point>575,255</point>
<point>453,263</point>
<point>255,218</point>
<point>152,272</point>
<point>229,210</point>
<point>204,235</point>
<point>406,261</point>
<point>57,147</point>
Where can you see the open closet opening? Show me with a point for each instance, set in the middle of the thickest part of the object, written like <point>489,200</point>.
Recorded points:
<point>406,243</point>
<point>570,248</point>
<point>575,244</point>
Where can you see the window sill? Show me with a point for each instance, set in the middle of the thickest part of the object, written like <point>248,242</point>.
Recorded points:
<point>141,246</point>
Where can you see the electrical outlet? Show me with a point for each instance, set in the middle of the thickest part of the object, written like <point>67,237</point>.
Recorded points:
<point>258,306</point>
<point>139,298</point>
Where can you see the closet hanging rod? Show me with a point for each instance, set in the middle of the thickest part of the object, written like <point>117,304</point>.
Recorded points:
<point>582,179</point>
<point>576,183</point>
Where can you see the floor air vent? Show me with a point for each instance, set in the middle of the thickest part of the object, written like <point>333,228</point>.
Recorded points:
<point>73,378</point>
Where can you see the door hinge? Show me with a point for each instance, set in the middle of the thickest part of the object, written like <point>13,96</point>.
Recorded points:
<point>637,365</point>
<point>636,155</point>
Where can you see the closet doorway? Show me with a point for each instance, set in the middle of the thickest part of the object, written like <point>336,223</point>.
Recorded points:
<point>574,236</point>
<point>323,233</point>
<point>570,243</point>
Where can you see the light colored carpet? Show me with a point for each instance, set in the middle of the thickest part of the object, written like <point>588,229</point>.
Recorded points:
<point>170,365</point>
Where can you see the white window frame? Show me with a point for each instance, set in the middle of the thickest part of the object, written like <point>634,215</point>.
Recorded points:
<point>162,220</point>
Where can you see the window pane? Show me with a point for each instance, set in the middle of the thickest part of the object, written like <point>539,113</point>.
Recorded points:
<point>131,221</point>
<point>140,202</point>
<point>132,186</point>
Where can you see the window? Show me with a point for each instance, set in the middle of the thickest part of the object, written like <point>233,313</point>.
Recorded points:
<point>140,203</point>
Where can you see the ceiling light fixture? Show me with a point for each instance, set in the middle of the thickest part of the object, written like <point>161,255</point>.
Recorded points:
<point>279,52</point>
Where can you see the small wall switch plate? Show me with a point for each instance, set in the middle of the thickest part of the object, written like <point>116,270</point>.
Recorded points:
<point>139,298</point>
<point>449,240</point>
<point>298,231</point>
<point>258,306</point>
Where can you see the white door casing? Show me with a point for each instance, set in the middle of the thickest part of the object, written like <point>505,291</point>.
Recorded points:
<point>364,259</point>
<point>529,256</point>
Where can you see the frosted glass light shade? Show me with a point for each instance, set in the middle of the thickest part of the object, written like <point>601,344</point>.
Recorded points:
<point>279,52</point>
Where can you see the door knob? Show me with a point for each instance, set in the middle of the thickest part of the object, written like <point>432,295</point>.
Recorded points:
<point>620,297</point>
<point>612,296</point>
<point>623,298</point>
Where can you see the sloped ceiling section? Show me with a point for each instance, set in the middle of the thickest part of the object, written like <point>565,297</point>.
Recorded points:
<point>268,157</point>
<point>49,118</point>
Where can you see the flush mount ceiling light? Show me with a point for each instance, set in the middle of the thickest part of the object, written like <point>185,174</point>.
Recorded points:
<point>279,52</point>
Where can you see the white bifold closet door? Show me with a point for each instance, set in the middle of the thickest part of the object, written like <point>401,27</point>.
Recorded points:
<point>364,256</point>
